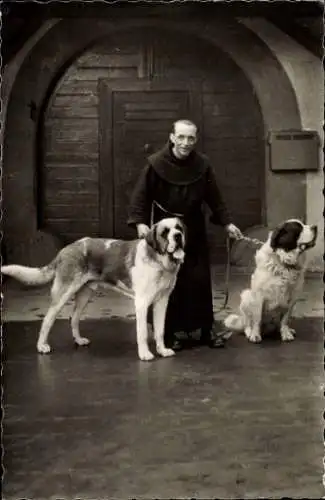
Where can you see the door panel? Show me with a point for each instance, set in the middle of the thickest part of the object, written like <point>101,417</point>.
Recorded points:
<point>141,120</point>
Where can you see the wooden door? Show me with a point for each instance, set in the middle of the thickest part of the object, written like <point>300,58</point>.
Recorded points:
<point>135,121</point>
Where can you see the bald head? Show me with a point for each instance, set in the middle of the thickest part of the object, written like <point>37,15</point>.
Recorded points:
<point>187,123</point>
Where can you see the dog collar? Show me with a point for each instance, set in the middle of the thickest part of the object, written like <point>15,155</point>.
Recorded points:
<point>295,267</point>
<point>292,267</point>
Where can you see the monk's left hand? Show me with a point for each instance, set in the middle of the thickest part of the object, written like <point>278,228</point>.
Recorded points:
<point>234,232</point>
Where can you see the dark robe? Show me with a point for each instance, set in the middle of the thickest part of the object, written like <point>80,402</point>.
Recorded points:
<point>182,187</point>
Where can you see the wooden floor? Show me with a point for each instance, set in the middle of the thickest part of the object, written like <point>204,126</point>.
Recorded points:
<point>94,423</point>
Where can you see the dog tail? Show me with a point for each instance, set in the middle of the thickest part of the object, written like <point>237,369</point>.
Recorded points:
<point>33,276</point>
<point>234,322</point>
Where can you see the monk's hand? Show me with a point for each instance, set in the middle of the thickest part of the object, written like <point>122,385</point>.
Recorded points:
<point>234,232</point>
<point>143,230</point>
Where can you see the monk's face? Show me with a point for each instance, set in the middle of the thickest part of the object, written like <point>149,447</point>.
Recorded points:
<point>184,139</point>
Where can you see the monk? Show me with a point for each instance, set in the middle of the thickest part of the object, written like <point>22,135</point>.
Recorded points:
<point>178,181</point>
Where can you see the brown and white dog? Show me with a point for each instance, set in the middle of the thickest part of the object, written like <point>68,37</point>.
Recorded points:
<point>276,282</point>
<point>144,269</point>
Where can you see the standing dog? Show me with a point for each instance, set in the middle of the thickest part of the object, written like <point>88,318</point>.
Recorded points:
<point>275,283</point>
<point>144,269</point>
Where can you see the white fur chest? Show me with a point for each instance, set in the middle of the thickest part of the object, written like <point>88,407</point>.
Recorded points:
<point>149,278</point>
<point>277,283</point>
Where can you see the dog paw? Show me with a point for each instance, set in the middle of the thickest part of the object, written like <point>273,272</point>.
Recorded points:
<point>253,336</point>
<point>287,334</point>
<point>43,348</point>
<point>146,355</point>
<point>165,352</point>
<point>82,341</point>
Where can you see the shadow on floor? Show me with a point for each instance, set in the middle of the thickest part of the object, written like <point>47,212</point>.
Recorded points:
<point>240,422</point>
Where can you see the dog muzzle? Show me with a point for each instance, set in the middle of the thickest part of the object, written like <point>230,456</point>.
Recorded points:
<point>178,254</point>
<point>176,250</point>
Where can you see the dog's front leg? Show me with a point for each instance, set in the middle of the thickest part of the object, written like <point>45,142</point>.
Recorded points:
<point>253,330</point>
<point>159,316</point>
<point>287,333</point>
<point>141,311</point>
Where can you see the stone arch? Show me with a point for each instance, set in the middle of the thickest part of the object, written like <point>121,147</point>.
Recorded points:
<point>54,52</point>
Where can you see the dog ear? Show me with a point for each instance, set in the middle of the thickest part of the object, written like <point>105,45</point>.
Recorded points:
<point>275,236</point>
<point>151,237</point>
<point>286,236</point>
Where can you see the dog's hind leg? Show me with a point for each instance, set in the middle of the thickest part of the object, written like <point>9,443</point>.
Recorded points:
<point>159,315</point>
<point>60,296</point>
<point>81,300</point>
<point>241,321</point>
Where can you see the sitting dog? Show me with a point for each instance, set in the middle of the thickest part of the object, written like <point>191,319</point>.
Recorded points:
<point>144,269</point>
<point>275,283</point>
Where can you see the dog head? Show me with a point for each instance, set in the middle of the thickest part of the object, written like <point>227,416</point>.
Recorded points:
<point>291,239</point>
<point>167,237</point>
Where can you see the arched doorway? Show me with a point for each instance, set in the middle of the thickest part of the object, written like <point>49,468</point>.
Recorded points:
<point>56,51</point>
<point>115,104</point>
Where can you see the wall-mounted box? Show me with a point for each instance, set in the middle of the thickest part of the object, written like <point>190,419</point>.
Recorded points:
<point>290,150</point>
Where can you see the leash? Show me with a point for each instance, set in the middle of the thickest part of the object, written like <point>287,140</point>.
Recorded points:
<point>227,277</point>
<point>226,334</point>
<point>255,241</point>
